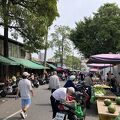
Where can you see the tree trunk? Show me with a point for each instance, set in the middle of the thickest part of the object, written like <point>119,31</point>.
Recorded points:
<point>6,53</point>
<point>45,55</point>
<point>62,51</point>
<point>5,9</point>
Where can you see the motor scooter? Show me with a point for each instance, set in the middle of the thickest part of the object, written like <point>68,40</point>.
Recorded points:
<point>35,83</point>
<point>80,86</point>
<point>11,89</point>
<point>41,81</point>
<point>69,112</point>
<point>2,92</point>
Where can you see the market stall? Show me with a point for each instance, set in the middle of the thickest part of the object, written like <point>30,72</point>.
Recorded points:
<point>103,91</point>
<point>103,112</point>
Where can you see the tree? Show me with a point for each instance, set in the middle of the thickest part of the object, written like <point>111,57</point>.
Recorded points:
<point>100,33</point>
<point>61,42</point>
<point>28,18</point>
<point>72,62</point>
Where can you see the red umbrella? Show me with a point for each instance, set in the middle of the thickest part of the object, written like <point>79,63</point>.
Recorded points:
<point>59,69</point>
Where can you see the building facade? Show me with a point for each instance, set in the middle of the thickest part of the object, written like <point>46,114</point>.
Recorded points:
<point>15,49</point>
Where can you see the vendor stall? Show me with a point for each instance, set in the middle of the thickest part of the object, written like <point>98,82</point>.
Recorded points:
<point>103,111</point>
<point>102,92</point>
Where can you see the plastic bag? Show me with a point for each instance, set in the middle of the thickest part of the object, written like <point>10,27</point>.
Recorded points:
<point>78,111</point>
<point>93,98</point>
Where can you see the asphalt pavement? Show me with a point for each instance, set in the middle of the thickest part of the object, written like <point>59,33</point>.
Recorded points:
<point>40,108</point>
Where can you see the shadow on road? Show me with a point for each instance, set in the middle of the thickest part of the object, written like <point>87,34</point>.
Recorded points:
<point>1,118</point>
<point>46,104</point>
<point>92,114</point>
<point>12,118</point>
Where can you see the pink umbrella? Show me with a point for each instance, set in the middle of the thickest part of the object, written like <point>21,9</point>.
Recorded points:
<point>105,58</point>
<point>93,70</point>
<point>100,66</point>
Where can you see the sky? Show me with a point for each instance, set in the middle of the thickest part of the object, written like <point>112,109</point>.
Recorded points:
<point>72,11</point>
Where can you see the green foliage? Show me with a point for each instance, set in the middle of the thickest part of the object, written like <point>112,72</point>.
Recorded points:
<point>100,34</point>
<point>72,62</point>
<point>30,19</point>
<point>61,42</point>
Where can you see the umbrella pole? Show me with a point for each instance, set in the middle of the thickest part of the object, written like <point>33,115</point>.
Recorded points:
<point>110,78</point>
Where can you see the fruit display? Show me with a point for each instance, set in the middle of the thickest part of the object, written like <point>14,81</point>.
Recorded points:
<point>117,100</point>
<point>111,108</point>
<point>99,90</point>
<point>107,102</point>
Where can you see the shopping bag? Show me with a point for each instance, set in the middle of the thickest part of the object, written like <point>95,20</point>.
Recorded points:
<point>78,111</point>
<point>59,116</point>
<point>92,99</point>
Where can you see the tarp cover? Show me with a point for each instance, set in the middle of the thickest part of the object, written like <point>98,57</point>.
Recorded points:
<point>7,61</point>
<point>105,58</point>
<point>27,63</point>
<point>52,66</point>
<point>100,66</point>
<point>93,70</point>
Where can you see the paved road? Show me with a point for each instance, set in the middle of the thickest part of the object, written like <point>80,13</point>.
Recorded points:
<point>39,110</point>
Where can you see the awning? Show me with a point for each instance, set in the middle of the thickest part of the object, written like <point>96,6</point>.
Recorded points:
<point>27,63</point>
<point>52,66</point>
<point>7,61</point>
<point>37,62</point>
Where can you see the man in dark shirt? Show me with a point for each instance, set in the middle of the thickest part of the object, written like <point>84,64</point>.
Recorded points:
<point>82,76</point>
<point>69,82</point>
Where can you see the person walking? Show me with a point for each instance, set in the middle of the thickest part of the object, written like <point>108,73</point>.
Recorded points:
<point>54,82</point>
<point>60,95</point>
<point>25,90</point>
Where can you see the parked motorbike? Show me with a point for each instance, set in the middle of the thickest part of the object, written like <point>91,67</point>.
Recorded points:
<point>35,83</point>
<point>8,90</point>
<point>41,81</point>
<point>11,89</point>
<point>85,90</point>
<point>68,111</point>
<point>2,91</point>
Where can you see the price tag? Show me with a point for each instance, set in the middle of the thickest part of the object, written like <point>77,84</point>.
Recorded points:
<point>59,116</point>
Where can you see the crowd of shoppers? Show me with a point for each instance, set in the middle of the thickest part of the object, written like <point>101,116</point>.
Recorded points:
<point>58,93</point>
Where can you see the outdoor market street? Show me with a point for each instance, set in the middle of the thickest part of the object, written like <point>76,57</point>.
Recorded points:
<point>39,110</point>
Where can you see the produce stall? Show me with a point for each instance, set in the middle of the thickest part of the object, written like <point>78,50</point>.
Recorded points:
<point>102,92</point>
<point>103,112</point>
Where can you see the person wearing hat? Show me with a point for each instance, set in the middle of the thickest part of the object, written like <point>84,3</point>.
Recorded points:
<point>25,90</point>
<point>60,95</point>
<point>70,83</point>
